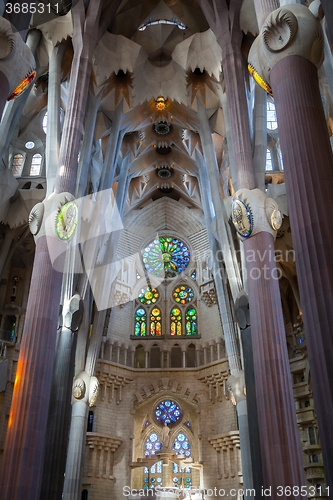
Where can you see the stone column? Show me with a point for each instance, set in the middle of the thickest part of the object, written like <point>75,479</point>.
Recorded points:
<point>303,135</point>
<point>308,166</point>
<point>276,407</point>
<point>53,116</point>
<point>76,447</point>
<point>23,455</point>
<point>184,358</point>
<point>58,422</point>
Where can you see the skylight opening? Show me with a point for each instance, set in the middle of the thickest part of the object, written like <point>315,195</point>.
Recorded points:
<point>151,22</point>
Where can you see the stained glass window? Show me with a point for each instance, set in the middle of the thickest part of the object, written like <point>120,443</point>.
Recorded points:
<point>166,257</point>
<point>155,322</point>
<point>191,321</point>
<point>140,322</point>
<point>271,116</point>
<point>183,294</point>
<point>17,164</point>
<point>167,411</point>
<point>182,445</point>
<point>176,321</point>
<point>194,275</point>
<point>153,475</point>
<point>152,445</point>
<point>148,296</point>
<point>269,164</point>
<point>182,477</point>
<point>36,163</point>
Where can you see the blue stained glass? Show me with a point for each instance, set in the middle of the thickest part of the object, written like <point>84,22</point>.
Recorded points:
<point>182,443</point>
<point>188,470</point>
<point>175,468</point>
<point>159,479</point>
<point>146,479</point>
<point>159,467</point>
<point>166,257</point>
<point>152,444</point>
<point>153,469</point>
<point>167,411</point>
<point>145,470</point>
<point>153,480</point>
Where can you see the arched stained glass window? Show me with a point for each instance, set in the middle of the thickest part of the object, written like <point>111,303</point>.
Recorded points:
<point>272,123</point>
<point>176,321</point>
<point>140,323</point>
<point>181,477</point>
<point>155,322</point>
<point>182,445</point>
<point>148,296</point>
<point>153,445</point>
<point>17,165</point>
<point>183,294</point>
<point>166,257</point>
<point>269,164</point>
<point>167,411</point>
<point>36,163</point>
<point>191,321</point>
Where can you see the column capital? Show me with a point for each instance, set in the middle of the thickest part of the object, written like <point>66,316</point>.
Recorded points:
<point>291,30</point>
<point>252,212</point>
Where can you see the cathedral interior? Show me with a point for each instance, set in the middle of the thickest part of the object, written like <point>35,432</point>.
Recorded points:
<point>166,258</point>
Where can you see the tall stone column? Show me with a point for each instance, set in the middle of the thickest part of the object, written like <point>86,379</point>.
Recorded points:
<point>308,170</point>
<point>23,455</point>
<point>280,447</point>
<point>60,401</point>
<point>53,116</point>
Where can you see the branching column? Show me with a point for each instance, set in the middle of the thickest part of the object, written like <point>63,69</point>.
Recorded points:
<point>280,446</point>
<point>308,170</point>
<point>23,455</point>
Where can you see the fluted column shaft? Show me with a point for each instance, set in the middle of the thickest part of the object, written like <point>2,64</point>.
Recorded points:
<point>76,447</point>
<point>23,455</point>
<point>263,8</point>
<point>308,170</point>
<point>279,439</point>
<point>53,116</point>
<point>59,416</point>
<point>22,461</point>
<point>282,457</point>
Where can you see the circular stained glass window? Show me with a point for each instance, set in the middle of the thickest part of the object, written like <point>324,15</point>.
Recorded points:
<point>183,294</point>
<point>166,257</point>
<point>167,411</point>
<point>148,296</point>
<point>152,445</point>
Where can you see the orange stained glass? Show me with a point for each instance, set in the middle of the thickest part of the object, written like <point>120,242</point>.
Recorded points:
<point>23,85</point>
<point>155,322</point>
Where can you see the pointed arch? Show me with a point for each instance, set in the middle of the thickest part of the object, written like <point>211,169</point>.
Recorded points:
<point>176,322</point>
<point>155,322</point>
<point>191,324</point>
<point>140,329</point>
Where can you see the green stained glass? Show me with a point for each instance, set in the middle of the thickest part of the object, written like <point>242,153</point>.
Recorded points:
<point>166,257</point>
<point>183,294</point>
<point>140,323</point>
<point>191,322</point>
<point>176,321</point>
<point>148,296</point>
